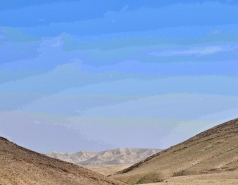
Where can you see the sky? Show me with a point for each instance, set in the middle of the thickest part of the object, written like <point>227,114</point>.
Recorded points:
<point>96,75</point>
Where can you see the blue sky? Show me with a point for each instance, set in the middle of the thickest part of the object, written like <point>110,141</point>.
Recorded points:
<point>90,75</point>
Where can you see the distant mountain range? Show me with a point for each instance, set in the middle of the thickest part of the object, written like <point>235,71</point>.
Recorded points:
<point>119,156</point>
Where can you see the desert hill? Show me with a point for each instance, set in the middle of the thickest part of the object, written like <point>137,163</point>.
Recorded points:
<point>118,156</point>
<point>20,166</point>
<point>210,152</point>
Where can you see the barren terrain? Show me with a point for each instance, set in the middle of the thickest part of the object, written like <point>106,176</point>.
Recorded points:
<point>107,170</point>
<point>20,166</point>
<point>211,152</point>
<point>225,178</point>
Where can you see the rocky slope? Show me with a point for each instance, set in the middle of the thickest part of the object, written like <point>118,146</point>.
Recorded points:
<point>212,151</point>
<point>20,166</point>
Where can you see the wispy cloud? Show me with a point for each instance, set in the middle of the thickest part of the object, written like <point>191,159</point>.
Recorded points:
<point>205,50</point>
<point>191,106</point>
<point>201,51</point>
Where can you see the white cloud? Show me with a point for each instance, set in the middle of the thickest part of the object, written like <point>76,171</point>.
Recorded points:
<point>201,51</point>
<point>194,50</point>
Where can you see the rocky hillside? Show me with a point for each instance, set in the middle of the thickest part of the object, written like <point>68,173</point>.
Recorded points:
<point>212,151</point>
<point>20,166</point>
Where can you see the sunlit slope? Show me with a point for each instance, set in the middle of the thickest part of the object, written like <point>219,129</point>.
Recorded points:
<point>20,166</point>
<point>212,151</point>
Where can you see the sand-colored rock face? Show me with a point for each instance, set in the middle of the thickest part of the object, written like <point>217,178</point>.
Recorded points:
<point>212,151</point>
<point>20,166</point>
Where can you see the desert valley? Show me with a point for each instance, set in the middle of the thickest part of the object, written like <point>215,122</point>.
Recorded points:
<point>106,162</point>
<point>207,158</point>
<point>119,92</point>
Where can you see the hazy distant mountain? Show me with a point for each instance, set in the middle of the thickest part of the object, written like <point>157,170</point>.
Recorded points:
<point>119,156</point>
<point>73,157</point>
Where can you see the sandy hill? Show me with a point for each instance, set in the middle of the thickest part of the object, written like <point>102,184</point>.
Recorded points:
<point>119,156</point>
<point>210,152</point>
<point>20,166</point>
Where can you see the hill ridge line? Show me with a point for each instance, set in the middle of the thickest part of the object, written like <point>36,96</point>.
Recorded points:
<point>197,136</point>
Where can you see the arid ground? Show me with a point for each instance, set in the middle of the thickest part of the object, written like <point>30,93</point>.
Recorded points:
<point>207,158</point>
<point>228,178</point>
<point>20,166</point>
<point>107,170</point>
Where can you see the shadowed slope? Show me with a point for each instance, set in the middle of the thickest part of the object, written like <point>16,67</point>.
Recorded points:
<point>22,166</point>
<point>211,151</point>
